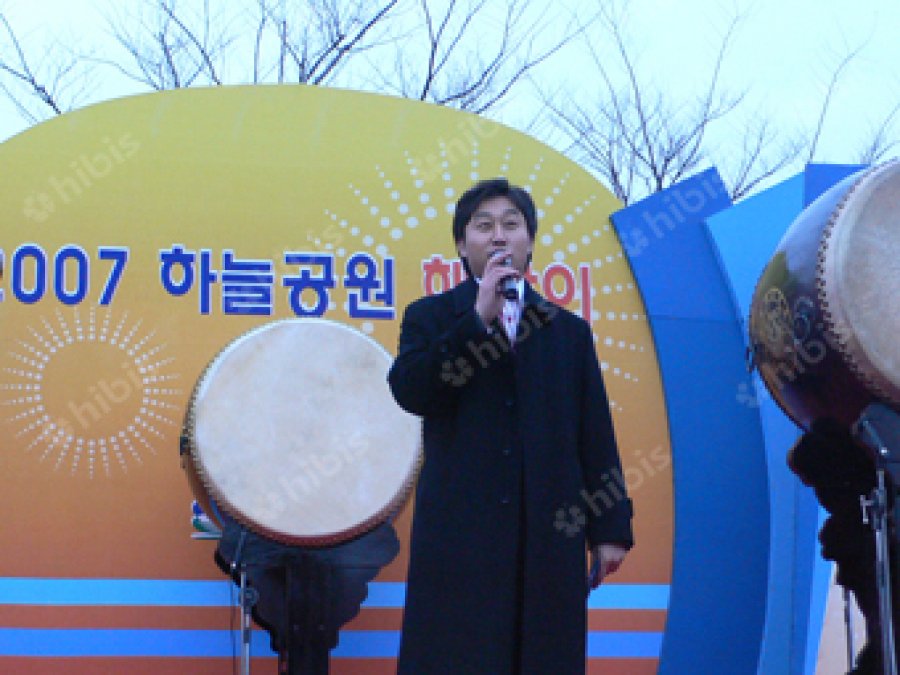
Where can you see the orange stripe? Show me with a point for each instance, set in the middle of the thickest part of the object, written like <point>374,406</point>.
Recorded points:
<point>622,666</point>
<point>377,619</point>
<point>145,666</point>
<point>363,667</point>
<point>627,620</point>
<point>175,618</point>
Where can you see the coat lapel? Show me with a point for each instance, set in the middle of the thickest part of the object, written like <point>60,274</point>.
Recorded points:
<point>536,313</point>
<point>464,295</point>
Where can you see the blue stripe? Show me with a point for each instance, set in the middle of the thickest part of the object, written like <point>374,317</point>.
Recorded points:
<point>223,644</point>
<point>369,644</point>
<point>145,592</point>
<point>172,593</point>
<point>610,645</point>
<point>630,596</point>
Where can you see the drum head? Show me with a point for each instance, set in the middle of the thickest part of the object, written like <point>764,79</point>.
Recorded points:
<point>859,280</point>
<point>295,433</point>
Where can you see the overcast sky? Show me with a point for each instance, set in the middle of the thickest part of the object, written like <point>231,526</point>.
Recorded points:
<point>782,55</point>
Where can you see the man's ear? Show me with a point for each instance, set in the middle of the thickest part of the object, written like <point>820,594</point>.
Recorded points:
<point>461,248</point>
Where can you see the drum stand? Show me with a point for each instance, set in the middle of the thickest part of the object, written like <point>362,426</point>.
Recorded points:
<point>248,598</point>
<point>879,428</point>
<point>301,596</point>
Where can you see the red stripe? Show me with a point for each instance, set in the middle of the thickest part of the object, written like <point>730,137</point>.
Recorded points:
<point>175,618</point>
<point>653,621</point>
<point>148,666</point>
<point>622,666</point>
<point>377,619</point>
<point>213,618</point>
<point>143,666</point>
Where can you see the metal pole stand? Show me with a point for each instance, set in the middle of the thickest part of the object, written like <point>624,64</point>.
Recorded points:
<point>879,428</point>
<point>248,599</point>
<point>875,514</point>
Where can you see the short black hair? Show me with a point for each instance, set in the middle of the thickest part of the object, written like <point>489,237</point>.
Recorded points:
<point>487,189</point>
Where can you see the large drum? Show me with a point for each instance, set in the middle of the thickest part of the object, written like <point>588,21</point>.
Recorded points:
<point>825,315</point>
<point>292,430</point>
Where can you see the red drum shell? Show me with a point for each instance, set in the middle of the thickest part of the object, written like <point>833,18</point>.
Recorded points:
<point>826,308</point>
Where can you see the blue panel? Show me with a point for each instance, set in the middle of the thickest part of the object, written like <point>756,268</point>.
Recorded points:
<point>670,252</point>
<point>784,639</point>
<point>819,177</point>
<point>747,234</point>
<point>821,582</point>
<point>719,579</point>
<point>719,576</point>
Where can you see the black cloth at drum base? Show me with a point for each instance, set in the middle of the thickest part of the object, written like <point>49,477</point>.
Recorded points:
<point>840,472</point>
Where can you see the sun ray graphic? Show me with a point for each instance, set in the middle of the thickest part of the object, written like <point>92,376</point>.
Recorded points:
<point>419,196</point>
<point>91,393</point>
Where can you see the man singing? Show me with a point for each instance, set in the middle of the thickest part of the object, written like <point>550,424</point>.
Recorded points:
<point>516,428</point>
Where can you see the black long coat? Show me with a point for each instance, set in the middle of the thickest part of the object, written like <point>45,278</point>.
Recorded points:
<point>520,466</point>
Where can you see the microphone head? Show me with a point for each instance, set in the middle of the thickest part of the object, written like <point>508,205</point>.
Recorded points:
<point>510,288</point>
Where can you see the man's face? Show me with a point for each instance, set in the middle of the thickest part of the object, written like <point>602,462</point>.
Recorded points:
<point>496,225</point>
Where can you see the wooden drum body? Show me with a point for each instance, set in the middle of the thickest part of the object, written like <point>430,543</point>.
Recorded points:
<point>825,315</point>
<point>292,430</point>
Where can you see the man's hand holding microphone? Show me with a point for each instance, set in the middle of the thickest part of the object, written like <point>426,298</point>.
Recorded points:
<point>498,283</point>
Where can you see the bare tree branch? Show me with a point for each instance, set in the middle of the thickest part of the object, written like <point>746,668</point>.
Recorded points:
<point>449,67</point>
<point>175,48</point>
<point>826,102</point>
<point>257,43</point>
<point>755,166</point>
<point>24,73</point>
<point>202,48</point>
<point>641,140</point>
<point>343,50</point>
<point>880,145</point>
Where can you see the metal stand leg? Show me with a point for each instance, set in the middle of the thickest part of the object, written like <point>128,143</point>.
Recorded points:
<point>878,428</point>
<point>245,624</point>
<point>248,598</point>
<point>875,513</point>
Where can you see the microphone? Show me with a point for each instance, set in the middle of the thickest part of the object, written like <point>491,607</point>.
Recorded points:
<point>509,286</point>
